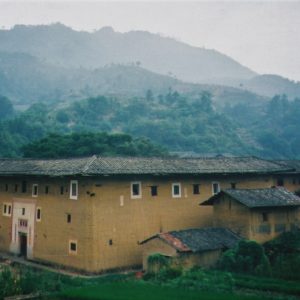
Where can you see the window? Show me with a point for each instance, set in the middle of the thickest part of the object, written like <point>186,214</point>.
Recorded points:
<point>34,190</point>
<point>265,217</point>
<point>196,189</point>
<point>23,211</point>
<point>61,190</point>
<point>16,188</point>
<point>23,223</point>
<point>7,208</point>
<point>110,242</point>
<point>136,191</point>
<point>69,218</point>
<point>24,187</point>
<point>153,190</point>
<point>233,185</point>
<point>6,187</point>
<point>280,182</point>
<point>215,188</point>
<point>74,189</point>
<point>46,189</point>
<point>176,190</point>
<point>72,247</point>
<point>38,214</point>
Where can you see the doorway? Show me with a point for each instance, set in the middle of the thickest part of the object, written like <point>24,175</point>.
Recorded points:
<point>23,244</point>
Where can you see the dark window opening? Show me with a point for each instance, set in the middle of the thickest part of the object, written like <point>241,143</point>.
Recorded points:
<point>69,218</point>
<point>46,189</point>
<point>73,247</point>
<point>265,217</point>
<point>135,189</point>
<point>154,190</point>
<point>110,242</point>
<point>176,190</point>
<point>61,190</point>
<point>38,214</point>
<point>233,185</point>
<point>74,189</point>
<point>196,189</point>
<point>23,211</point>
<point>16,188</point>
<point>280,182</point>
<point>216,188</point>
<point>9,209</point>
<point>6,188</point>
<point>24,186</point>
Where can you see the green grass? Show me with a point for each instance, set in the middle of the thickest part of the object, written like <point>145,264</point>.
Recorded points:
<point>267,284</point>
<point>146,291</point>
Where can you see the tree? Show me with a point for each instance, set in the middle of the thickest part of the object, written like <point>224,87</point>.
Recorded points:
<point>6,107</point>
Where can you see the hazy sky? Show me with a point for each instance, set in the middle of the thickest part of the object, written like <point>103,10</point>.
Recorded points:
<point>263,35</point>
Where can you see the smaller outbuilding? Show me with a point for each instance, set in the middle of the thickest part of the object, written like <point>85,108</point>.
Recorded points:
<point>191,247</point>
<point>256,214</point>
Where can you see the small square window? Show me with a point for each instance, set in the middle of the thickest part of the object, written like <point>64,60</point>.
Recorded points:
<point>24,186</point>
<point>46,189</point>
<point>7,208</point>
<point>73,247</point>
<point>34,190</point>
<point>176,190</point>
<point>280,182</point>
<point>153,190</point>
<point>69,218</point>
<point>265,217</point>
<point>74,189</point>
<point>196,189</point>
<point>38,214</point>
<point>215,188</point>
<point>136,191</point>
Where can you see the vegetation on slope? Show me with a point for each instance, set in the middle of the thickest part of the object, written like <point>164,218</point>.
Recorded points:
<point>175,121</point>
<point>85,144</point>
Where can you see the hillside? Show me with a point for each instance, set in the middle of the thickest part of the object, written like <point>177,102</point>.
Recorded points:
<point>178,122</point>
<point>25,80</point>
<point>60,45</point>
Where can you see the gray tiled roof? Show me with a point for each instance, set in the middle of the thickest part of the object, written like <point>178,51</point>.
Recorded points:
<point>294,164</point>
<point>269,197</point>
<point>205,239</point>
<point>97,165</point>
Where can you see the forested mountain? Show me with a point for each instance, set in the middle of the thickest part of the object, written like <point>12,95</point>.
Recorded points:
<point>175,121</point>
<point>25,80</point>
<point>60,45</point>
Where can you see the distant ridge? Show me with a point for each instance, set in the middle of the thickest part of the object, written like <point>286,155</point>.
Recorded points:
<point>60,45</point>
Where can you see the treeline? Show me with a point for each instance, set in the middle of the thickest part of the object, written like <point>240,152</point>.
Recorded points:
<point>85,144</point>
<point>177,122</point>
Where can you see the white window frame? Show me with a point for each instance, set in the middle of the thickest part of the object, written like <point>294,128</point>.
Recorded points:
<point>179,185</point>
<point>212,187</point>
<point>139,183</point>
<point>7,213</point>
<point>73,197</point>
<point>37,190</point>
<point>40,218</point>
<point>72,251</point>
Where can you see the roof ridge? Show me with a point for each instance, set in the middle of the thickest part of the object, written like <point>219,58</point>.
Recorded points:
<point>88,164</point>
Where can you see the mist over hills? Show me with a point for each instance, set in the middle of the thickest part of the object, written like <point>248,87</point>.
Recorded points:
<point>182,97</point>
<point>25,80</point>
<point>65,48</point>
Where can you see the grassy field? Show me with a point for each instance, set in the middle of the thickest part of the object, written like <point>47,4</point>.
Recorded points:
<point>146,291</point>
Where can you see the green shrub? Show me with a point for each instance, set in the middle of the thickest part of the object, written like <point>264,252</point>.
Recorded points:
<point>9,284</point>
<point>248,257</point>
<point>156,263</point>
